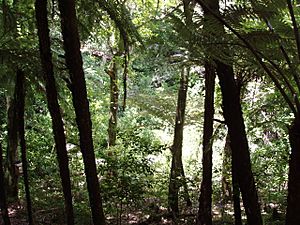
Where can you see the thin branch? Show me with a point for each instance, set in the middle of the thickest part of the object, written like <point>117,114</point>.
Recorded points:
<point>296,30</point>
<point>256,55</point>
<point>220,121</point>
<point>280,72</point>
<point>284,53</point>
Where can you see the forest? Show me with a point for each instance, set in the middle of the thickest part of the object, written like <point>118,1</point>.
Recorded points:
<point>148,112</point>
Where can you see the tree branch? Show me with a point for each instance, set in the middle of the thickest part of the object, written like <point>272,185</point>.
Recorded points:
<point>296,30</point>
<point>256,55</point>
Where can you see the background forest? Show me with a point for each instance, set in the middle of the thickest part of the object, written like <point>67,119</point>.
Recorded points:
<point>150,112</point>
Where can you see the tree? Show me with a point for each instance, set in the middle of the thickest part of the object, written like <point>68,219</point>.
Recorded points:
<point>176,175</point>
<point>234,120</point>
<point>11,175</point>
<point>205,200</point>
<point>81,105</point>
<point>114,96</point>
<point>21,131</point>
<point>53,105</point>
<point>284,83</point>
<point>3,202</point>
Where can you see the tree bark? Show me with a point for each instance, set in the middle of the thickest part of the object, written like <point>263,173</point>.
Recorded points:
<point>236,195</point>
<point>53,106</point>
<point>236,128</point>
<point>226,172</point>
<point>81,105</point>
<point>177,165</point>
<point>114,97</point>
<point>293,206</point>
<point>204,216</point>
<point>21,130</point>
<point>11,175</point>
<point>125,74</point>
<point>3,201</point>
<point>238,142</point>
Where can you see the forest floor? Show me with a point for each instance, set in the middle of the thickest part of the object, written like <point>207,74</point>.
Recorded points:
<point>55,216</point>
<point>157,215</point>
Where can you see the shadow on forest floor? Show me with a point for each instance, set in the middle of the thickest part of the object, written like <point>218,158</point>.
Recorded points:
<point>55,216</point>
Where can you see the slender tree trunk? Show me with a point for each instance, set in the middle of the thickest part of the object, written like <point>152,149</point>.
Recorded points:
<point>204,216</point>
<point>229,193</point>
<point>226,187</point>
<point>21,108</point>
<point>53,106</point>
<point>236,195</point>
<point>235,184</point>
<point>293,206</point>
<point>3,202</point>
<point>238,142</point>
<point>226,173</point>
<point>236,129</point>
<point>11,175</point>
<point>186,194</point>
<point>81,105</point>
<point>125,75</point>
<point>114,97</point>
<point>177,166</point>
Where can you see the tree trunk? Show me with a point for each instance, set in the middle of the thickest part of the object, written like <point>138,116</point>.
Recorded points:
<point>114,96</point>
<point>186,194</point>
<point>3,202</point>
<point>125,74</point>
<point>238,142</point>
<point>236,195</point>
<point>236,128</point>
<point>204,216</point>
<point>226,173</point>
<point>21,108</point>
<point>226,187</point>
<point>293,206</point>
<point>53,106</point>
<point>177,166</point>
<point>81,105</point>
<point>11,175</point>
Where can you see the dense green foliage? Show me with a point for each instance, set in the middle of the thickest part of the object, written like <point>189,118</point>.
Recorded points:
<point>155,41</point>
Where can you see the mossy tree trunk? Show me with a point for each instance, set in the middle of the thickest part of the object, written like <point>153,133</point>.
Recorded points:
<point>176,178</point>
<point>114,98</point>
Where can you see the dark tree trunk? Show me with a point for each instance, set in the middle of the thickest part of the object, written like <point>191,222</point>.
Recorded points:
<point>53,106</point>
<point>21,108</point>
<point>3,202</point>
<point>204,216</point>
<point>236,195</point>
<point>236,129</point>
<point>293,206</point>
<point>114,97</point>
<point>177,166</point>
<point>81,105</point>
<point>228,167</point>
<point>235,185</point>
<point>11,176</point>
<point>238,142</point>
<point>125,75</point>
